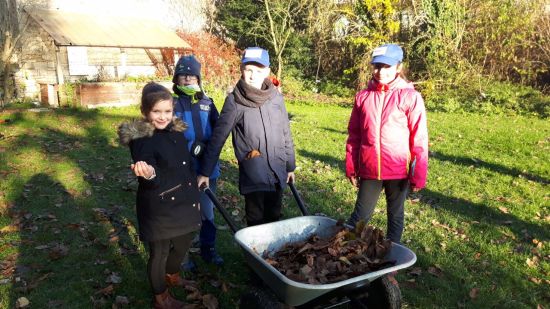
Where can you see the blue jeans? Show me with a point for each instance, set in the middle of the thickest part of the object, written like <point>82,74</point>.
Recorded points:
<point>207,235</point>
<point>396,193</point>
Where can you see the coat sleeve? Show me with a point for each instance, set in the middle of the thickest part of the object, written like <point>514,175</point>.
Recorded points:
<point>353,143</point>
<point>289,144</point>
<point>225,123</point>
<point>418,142</point>
<point>214,114</point>
<point>142,150</point>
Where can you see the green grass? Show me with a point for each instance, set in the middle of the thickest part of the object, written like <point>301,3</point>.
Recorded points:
<point>475,226</point>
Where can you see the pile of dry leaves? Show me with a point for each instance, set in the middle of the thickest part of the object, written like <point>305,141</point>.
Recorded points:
<point>349,253</point>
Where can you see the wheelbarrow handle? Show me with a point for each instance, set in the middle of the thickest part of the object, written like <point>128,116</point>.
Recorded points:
<point>298,199</point>
<point>221,209</point>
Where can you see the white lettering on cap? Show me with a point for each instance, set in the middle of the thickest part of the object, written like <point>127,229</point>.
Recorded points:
<point>379,51</point>
<point>253,53</point>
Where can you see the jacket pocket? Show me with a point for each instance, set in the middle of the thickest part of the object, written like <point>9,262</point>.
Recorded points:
<point>171,194</point>
<point>255,170</point>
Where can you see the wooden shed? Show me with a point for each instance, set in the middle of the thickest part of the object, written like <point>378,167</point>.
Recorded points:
<point>68,47</point>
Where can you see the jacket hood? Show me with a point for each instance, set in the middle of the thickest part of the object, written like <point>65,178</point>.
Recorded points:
<point>130,131</point>
<point>397,83</point>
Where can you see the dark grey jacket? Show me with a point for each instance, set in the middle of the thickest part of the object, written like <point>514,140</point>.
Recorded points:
<point>167,205</point>
<point>265,128</point>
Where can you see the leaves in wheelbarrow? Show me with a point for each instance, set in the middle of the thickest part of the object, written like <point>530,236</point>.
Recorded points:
<point>347,254</point>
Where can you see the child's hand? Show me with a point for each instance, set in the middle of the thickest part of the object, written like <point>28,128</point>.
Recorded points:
<point>290,177</point>
<point>203,181</point>
<point>354,181</point>
<point>142,169</point>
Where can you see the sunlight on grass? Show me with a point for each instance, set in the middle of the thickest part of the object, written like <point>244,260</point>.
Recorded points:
<point>482,224</point>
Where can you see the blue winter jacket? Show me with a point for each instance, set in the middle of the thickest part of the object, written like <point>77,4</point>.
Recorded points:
<point>208,115</point>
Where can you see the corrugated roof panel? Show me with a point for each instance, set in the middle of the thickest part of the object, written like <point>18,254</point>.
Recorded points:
<point>68,28</point>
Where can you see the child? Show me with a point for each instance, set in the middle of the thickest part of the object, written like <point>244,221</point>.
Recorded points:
<point>167,201</point>
<point>197,110</point>
<point>256,115</point>
<point>387,145</point>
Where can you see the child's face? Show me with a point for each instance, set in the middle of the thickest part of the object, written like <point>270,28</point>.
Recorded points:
<point>161,114</point>
<point>254,75</point>
<point>186,80</point>
<point>385,73</point>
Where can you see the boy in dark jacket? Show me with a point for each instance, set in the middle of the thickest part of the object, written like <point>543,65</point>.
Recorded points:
<point>197,110</point>
<point>256,116</point>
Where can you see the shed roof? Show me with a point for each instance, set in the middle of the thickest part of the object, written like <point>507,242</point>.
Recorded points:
<point>76,29</point>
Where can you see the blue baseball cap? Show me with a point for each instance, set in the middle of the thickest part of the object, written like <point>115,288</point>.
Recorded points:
<point>390,54</point>
<point>257,55</point>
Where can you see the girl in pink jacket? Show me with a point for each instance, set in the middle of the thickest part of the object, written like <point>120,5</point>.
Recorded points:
<point>387,145</point>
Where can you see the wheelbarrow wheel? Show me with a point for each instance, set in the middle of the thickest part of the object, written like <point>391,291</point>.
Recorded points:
<point>259,298</point>
<point>383,292</point>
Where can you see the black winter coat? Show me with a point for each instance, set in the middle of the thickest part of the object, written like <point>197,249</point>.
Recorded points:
<point>265,128</point>
<point>167,205</point>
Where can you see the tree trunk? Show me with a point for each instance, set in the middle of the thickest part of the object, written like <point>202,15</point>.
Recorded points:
<point>279,67</point>
<point>6,95</point>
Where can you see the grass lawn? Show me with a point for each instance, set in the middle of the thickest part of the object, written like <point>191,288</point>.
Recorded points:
<point>481,229</point>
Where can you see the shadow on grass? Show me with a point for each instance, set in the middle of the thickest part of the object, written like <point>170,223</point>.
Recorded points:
<point>331,160</point>
<point>477,264</point>
<point>490,166</point>
<point>74,235</point>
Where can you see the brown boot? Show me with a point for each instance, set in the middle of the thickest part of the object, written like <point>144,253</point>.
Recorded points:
<point>173,280</point>
<point>166,301</point>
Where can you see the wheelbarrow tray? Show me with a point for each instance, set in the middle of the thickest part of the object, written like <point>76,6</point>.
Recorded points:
<point>255,240</point>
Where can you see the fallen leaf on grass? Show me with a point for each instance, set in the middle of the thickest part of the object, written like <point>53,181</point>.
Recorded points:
<point>9,229</point>
<point>209,301</point>
<point>224,287</point>
<point>416,271</point>
<point>473,293</point>
<point>435,270</point>
<point>538,243</point>
<point>58,252</point>
<point>35,283</point>
<point>535,280</point>
<point>108,290</point>
<point>532,262</point>
<point>503,209</point>
<point>195,295</point>
<point>113,278</point>
<point>22,302</point>
<point>122,300</point>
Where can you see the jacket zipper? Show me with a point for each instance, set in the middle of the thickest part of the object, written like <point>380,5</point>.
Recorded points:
<point>168,191</point>
<point>383,94</point>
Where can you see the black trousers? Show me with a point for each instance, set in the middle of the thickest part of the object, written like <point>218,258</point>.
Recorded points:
<point>263,206</point>
<point>396,193</point>
<point>165,257</point>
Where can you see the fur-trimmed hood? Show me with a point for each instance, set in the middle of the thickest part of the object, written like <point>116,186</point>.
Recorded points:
<point>130,131</point>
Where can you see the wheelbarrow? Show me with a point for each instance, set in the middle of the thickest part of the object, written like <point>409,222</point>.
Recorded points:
<point>371,290</point>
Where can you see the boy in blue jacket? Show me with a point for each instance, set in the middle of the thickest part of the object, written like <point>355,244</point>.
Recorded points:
<point>197,110</point>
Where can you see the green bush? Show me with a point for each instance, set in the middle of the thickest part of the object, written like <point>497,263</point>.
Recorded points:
<point>337,88</point>
<point>491,97</point>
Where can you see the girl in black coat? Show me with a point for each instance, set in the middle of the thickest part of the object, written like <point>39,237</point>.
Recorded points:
<point>167,202</point>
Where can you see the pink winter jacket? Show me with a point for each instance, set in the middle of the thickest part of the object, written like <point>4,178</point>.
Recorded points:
<point>388,134</point>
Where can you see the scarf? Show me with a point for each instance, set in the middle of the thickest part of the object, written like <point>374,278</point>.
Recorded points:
<point>253,97</point>
<point>193,91</point>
